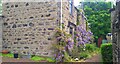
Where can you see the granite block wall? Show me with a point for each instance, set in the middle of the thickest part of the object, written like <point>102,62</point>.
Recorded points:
<point>1,21</point>
<point>69,20</point>
<point>30,26</point>
<point>115,19</point>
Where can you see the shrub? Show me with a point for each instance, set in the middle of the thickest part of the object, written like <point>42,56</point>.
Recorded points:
<point>90,50</point>
<point>74,53</point>
<point>106,51</point>
<point>83,55</point>
<point>90,47</point>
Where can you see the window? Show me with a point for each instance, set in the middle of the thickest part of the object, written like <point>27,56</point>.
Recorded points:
<point>70,6</point>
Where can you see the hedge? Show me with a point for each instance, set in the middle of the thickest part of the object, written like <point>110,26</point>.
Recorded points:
<point>106,51</point>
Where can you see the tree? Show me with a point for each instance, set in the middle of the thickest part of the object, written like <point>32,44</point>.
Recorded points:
<point>98,17</point>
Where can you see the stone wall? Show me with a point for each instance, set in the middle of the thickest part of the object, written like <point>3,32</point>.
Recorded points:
<point>1,21</point>
<point>115,19</point>
<point>29,27</point>
<point>69,20</point>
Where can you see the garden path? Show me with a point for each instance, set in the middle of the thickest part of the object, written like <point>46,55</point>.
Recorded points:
<point>6,59</point>
<point>96,58</point>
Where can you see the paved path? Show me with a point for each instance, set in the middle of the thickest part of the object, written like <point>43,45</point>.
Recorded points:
<point>96,58</point>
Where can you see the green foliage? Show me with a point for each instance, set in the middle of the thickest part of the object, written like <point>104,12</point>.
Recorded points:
<point>91,47</point>
<point>89,51</point>
<point>67,57</point>
<point>50,60</point>
<point>0,54</point>
<point>106,51</point>
<point>98,17</point>
<point>83,55</point>
<point>75,52</point>
<point>37,58</point>
<point>7,55</point>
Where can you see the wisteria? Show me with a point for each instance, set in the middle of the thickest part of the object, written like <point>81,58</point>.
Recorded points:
<point>67,43</point>
<point>83,36</point>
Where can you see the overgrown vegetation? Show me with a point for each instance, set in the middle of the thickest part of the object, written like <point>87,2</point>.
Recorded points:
<point>89,51</point>
<point>106,51</point>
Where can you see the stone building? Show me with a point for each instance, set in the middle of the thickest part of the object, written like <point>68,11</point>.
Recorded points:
<point>29,27</point>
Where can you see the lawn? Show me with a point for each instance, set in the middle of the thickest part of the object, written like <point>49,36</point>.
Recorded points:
<point>34,58</point>
<point>7,55</point>
<point>38,58</point>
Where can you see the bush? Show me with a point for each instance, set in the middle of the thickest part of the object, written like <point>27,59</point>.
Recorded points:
<point>90,50</point>
<point>91,47</point>
<point>83,55</point>
<point>106,51</point>
<point>75,53</point>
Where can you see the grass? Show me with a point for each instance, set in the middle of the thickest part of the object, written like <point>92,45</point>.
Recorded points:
<point>0,54</point>
<point>34,58</point>
<point>38,58</point>
<point>50,60</point>
<point>7,55</point>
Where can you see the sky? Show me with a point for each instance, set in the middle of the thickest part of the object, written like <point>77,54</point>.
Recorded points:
<point>76,2</point>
